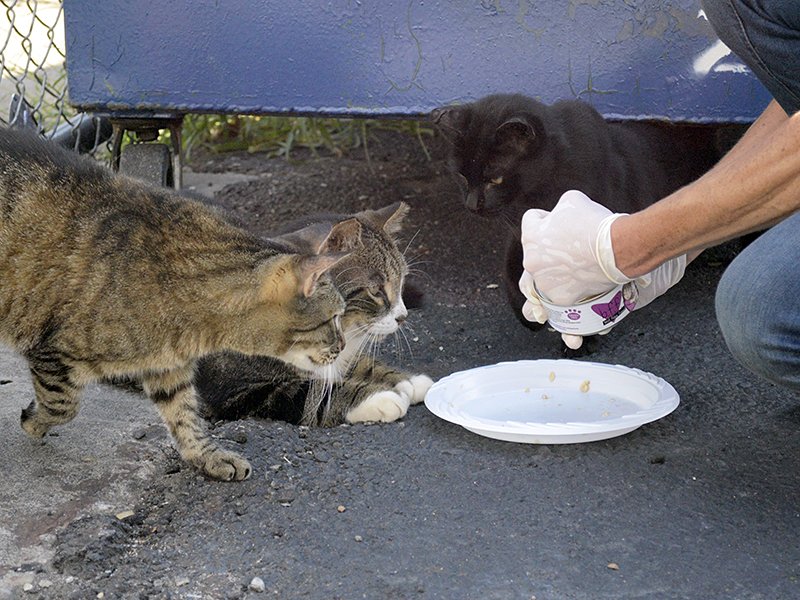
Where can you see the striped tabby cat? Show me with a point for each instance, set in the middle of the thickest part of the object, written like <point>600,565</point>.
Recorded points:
<point>104,276</point>
<point>354,388</point>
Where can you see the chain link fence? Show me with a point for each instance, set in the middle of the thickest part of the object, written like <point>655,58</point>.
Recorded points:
<point>33,77</point>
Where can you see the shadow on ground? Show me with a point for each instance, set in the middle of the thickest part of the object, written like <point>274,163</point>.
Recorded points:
<point>701,504</point>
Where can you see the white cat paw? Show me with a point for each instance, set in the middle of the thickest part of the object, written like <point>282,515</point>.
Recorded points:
<point>383,407</point>
<point>421,384</point>
<point>415,388</point>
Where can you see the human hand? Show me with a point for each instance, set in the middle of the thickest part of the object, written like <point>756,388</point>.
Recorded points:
<point>533,310</point>
<point>570,254</point>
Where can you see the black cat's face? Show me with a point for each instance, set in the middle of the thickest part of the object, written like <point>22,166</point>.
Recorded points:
<point>493,144</point>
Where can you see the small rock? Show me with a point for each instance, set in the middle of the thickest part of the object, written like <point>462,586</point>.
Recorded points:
<point>358,538</point>
<point>28,587</point>
<point>613,566</point>
<point>240,437</point>
<point>139,434</point>
<point>341,508</point>
<point>182,581</point>
<point>45,583</point>
<point>257,585</point>
<point>286,495</point>
<point>321,456</point>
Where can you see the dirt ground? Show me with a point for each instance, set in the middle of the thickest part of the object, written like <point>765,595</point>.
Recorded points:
<point>701,504</point>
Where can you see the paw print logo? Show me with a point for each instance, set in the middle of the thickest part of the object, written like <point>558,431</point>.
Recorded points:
<point>573,314</point>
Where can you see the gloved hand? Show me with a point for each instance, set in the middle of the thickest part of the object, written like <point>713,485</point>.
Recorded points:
<point>568,252</point>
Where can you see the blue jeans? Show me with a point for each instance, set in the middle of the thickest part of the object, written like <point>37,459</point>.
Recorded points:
<point>758,297</point>
<point>758,304</point>
<point>765,35</point>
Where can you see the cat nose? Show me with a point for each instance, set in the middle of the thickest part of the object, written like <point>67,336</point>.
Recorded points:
<point>474,200</point>
<point>401,318</point>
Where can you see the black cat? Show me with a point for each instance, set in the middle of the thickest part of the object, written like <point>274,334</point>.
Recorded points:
<point>512,153</point>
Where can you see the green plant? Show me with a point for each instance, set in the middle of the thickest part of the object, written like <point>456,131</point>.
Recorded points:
<point>279,136</point>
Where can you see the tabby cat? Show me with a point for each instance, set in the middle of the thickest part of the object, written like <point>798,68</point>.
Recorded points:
<point>104,276</point>
<point>512,153</point>
<point>355,388</point>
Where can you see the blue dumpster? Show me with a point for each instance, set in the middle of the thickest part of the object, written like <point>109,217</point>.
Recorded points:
<point>631,59</point>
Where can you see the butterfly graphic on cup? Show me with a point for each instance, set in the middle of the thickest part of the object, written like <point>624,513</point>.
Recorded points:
<point>623,299</point>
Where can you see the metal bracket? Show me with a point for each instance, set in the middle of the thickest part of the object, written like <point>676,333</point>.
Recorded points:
<point>147,129</point>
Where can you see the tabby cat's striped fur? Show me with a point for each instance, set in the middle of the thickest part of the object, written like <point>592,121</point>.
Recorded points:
<point>355,387</point>
<point>102,276</point>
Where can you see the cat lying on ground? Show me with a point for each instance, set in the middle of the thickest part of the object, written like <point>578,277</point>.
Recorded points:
<point>355,387</point>
<point>511,153</point>
<point>104,276</point>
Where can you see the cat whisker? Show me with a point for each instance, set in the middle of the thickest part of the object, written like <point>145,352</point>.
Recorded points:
<point>508,219</point>
<point>411,241</point>
<point>342,272</point>
<point>401,333</point>
<point>320,391</point>
<point>372,351</point>
<point>413,262</point>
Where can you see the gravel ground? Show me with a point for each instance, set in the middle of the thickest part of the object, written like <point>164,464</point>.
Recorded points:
<point>701,504</point>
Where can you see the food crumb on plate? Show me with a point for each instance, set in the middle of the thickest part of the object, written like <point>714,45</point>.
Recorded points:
<point>585,386</point>
<point>552,376</point>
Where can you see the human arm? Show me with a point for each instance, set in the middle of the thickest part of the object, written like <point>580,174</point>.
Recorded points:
<point>571,254</point>
<point>754,186</point>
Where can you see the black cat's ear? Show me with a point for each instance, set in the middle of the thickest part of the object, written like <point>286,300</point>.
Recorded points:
<point>449,121</point>
<point>345,236</point>
<point>517,134</point>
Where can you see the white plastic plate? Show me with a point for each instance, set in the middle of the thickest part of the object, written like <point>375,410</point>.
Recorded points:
<point>551,401</point>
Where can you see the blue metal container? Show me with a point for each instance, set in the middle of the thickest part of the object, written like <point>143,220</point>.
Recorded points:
<point>631,59</point>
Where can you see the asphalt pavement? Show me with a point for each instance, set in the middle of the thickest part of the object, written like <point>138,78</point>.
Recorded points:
<point>701,504</point>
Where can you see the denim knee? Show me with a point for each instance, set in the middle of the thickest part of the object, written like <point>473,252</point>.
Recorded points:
<point>766,36</point>
<point>758,305</point>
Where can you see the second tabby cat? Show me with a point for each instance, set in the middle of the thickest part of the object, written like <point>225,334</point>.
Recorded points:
<point>355,388</point>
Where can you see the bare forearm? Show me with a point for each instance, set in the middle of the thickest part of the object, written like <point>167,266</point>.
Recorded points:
<point>754,186</point>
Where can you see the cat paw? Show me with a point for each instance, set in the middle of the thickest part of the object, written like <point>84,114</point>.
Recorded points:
<point>383,407</point>
<point>224,465</point>
<point>414,388</point>
<point>31,424</point>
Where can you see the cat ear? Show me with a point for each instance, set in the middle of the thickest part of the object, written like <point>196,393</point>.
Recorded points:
<point>517,134</point>
<point>310,268</point>
<point>389,218</point>
<point>308,239</point>
<point>345,236</point>
<point>449,121</point>
<point>394,223</point>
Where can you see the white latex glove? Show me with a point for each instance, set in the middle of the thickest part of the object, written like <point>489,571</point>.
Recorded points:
<point>568,252</point>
